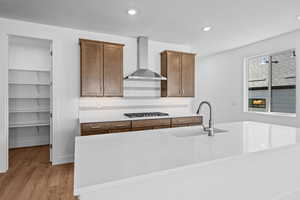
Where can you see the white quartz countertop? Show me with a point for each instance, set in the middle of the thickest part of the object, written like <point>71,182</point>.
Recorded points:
<point>106,116</point>
<point>105,159</point>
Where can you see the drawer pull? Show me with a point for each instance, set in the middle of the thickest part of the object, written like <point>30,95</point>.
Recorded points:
<point>120,125</point>
<point>95,127</point>
<point>117,125</point>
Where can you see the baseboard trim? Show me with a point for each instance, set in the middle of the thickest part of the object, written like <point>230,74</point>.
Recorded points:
<point>29,143</point>
<point>28,147</point>
<point>63,159</point>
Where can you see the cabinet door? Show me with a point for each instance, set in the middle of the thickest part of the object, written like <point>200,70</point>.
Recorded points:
<point>174,74</point>
<point>91,69</point>
<point>113,70</point>
<point>188,75</point>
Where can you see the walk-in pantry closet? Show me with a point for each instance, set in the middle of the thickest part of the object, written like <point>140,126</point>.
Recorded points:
<point>30,91</point>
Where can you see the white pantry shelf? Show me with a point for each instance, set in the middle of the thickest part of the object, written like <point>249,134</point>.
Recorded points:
<point>30,69</point>
<point>29,98</point>
<point>37,84</point>
<point>29,124</point>
<point>30,111</point>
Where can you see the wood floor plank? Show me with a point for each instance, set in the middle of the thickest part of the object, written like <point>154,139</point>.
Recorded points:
<point>32,177</point>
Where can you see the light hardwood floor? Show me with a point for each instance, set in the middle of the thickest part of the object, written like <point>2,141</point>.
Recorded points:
<point>31,177</point>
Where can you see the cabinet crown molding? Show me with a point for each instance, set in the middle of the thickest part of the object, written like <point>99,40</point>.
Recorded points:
<point>100,42</point>
<point>181,52</point>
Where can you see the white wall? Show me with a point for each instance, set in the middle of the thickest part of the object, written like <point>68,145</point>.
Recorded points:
<point>220,80</point>
<point>3,101</point>
<point>66,78</point>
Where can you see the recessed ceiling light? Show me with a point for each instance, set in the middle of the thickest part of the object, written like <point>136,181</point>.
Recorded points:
<point>131,12</point>
<point>206,28</point>
<point>298,17</point>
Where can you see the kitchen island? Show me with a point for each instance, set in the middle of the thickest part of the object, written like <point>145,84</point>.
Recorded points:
<point>249,161</point>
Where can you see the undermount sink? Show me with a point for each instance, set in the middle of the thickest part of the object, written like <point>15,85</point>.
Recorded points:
<point>199,132</point>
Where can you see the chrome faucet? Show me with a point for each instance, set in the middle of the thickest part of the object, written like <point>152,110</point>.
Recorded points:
<point>209,129</point>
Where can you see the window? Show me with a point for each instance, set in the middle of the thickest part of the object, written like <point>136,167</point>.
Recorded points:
<point>271,83</point>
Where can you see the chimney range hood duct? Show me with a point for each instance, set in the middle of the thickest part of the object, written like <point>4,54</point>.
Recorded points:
<point>143,73</point>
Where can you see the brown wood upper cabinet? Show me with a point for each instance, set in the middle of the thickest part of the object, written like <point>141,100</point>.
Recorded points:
<point>101,69</point>
<point>179,68</point>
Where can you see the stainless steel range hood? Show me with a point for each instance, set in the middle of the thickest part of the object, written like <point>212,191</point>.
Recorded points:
<point>142,72</point>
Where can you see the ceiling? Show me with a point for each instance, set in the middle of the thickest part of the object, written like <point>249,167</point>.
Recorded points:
<point>235,22</point>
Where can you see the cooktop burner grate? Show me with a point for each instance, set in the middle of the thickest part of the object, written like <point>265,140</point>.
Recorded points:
<point>146,114</point>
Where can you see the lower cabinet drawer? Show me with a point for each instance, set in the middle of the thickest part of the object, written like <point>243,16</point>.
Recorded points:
<point>85,133</point>
<point>160,127</point>
<point>119,130</point>
<point>151,123</point>
<point>99,132</point>
<point>183,125</point>
<point>141,128</point>
<point>104,127</point>
<point>186,121</point>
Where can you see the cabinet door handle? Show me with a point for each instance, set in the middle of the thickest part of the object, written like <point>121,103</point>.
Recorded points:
<point>120,125</point>
<point>182,91</point>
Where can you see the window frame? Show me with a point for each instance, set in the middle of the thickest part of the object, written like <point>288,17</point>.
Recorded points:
<point>246,86</point>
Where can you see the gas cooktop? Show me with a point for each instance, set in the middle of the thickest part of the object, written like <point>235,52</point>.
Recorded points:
<point>146,114</point>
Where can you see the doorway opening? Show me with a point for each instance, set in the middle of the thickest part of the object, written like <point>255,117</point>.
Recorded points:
<point>30,92</point>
